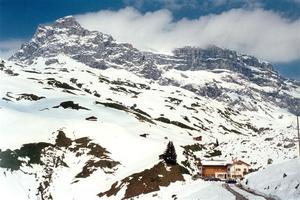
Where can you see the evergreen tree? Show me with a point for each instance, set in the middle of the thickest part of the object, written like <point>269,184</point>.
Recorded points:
<point>170,155</point>
<point>217,143</point>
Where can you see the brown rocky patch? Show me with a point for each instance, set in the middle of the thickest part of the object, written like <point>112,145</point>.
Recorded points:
<point>146,181</point>
<point>100,158</point>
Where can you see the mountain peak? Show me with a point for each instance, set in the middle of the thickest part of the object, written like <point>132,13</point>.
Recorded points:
<point>65,36</point>
<point>66,21</point>
<point>66,25</point>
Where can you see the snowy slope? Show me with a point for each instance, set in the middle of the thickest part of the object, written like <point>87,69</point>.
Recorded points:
<point>37,121</point>
<point>279,180</point>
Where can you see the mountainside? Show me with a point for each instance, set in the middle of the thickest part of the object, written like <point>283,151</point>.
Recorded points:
<point>99,50</point>
<point>280,180</point>
<point>83,116</point>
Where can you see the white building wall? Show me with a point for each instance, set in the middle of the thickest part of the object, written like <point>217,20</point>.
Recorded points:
<point>238,170</point>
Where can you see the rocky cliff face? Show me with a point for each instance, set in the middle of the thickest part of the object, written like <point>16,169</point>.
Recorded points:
<point>216,58</point>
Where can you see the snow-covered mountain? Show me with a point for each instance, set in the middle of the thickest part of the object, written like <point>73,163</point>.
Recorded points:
<point>83,116</point>
<point>99,50</point>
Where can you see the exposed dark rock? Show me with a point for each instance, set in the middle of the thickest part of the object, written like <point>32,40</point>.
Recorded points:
<point>194,147</point>
<point>73,80</point>
<point>213,153</point>
<point>58,84</point>
<point>182,125</point>
<point>164,120</point>
<point>176,123</point>
<point>192,162</point>
<point>30,97</point>
<point>69,92</point>
<point>91,118</point>
<point>10,159</point>
<point>231,130</point>
<point>62,140</point>
<point>144,135</point>
<point>146,181</point>
<point>141,112</point>
<point>70,104</point>
<point>51,61</point>
<point>289,145</point>
<point>140,115</point>
<point>174,100</point>
<point>10,72</point>
<point>113,105</point>
<point>32,71</point>
<point>269,139</point>
<point>6,99</point>
<point>96,94</point>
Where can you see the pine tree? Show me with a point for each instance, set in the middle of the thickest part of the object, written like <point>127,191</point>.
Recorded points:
<point>170,155</point>
<point>217,143</point>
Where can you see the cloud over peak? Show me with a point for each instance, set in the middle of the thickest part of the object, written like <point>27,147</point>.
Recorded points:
<point>261,33</point>
<point>8,47</point>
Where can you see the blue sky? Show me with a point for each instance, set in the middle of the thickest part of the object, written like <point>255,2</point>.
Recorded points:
<point>19,19</point>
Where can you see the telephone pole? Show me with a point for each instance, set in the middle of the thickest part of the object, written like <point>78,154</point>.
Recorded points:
<point>298,134</point>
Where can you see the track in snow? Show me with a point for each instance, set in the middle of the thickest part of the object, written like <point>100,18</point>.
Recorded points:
<point>242,194</point>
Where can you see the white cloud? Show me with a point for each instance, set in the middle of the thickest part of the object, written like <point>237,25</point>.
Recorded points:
<point>257,32</point>
<point>5,54</point>
<point>170,4</point>
<point>8,47</point>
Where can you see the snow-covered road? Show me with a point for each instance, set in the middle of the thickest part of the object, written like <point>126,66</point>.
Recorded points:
<point>242,194</point>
